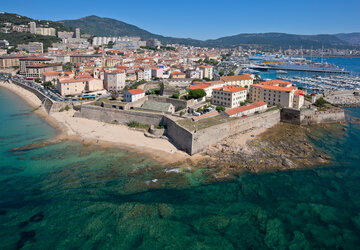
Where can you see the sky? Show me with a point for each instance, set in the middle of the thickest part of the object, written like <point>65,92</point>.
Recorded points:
<point>206,19</point>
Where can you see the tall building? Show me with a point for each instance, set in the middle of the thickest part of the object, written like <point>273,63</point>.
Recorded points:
<point>153,43</point>
<point>46,31</point>
<point>114,80</point>
<point>32,27</point>
<point>77,33</point>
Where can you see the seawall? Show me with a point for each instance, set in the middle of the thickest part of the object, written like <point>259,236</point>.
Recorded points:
<point>205,137</point>
<point>190,142</point>
<point>111,115</point>
<point>311,116</point>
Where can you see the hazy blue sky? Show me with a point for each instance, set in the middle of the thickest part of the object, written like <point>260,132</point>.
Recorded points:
<point>206,19</point>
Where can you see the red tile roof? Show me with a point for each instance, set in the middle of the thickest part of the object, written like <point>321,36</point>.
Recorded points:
<point>199,86</point>
<point>177,73</point>
<point>236,78</point>
<point>135,91</point>
<point>244,108</point>
<point>196,118</point>
<point>276,88</point>
<point>231,88</point>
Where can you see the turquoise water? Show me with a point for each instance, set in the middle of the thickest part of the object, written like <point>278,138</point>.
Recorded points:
<point>73,196</point>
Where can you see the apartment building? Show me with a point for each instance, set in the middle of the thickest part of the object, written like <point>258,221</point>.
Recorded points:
<point>26,61</point>
<point>36,70</point>
<point>229,96</point>
<point>114,80</point>
<point>240,80</point>
<point>157,72</point>
<point>147,74</point>
<point>207,71</point>
<point>46,31</point>
<point>76,86</point>
<point>31,47</point>
<point>194,73</point>
<point>277,92</point>
<point>9,61</point>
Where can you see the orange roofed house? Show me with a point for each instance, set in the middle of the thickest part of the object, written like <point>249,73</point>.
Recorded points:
<point>133,95</point>
<point>177,75</point>
<point>277,92</point>
<point>229,96</point>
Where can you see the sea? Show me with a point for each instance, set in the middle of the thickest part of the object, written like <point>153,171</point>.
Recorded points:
<point>74,196</point>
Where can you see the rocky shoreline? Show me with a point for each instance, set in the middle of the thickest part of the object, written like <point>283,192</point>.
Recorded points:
<point>283,147</point>
<point>344,98</point>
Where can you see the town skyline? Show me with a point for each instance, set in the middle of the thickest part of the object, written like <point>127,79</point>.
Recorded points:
<point>194,20</point>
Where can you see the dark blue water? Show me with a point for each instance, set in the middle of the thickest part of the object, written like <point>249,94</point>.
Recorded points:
<point>351,64</point>
<point>73,196</point>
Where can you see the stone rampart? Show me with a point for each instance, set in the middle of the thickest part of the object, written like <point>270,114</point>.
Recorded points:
<point>311,116</point>
<point>205,137</point>
<point>180,137</point>
<point>111,115</point>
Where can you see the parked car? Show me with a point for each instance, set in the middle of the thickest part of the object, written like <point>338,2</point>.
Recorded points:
<point>196,114</point>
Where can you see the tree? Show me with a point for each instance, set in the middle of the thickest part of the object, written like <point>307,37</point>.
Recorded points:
<point>37,80</point>
<point>320,102</point>
<point>114,95</point>
<point>196,93</point>
<point>246,86</point>
<point>48,85</point>
<point>221,73</point>
<point>196,80</point>
<point>231,73</point>
<point>175,96</point>
<point>68,66</point>
<point>220,108</point>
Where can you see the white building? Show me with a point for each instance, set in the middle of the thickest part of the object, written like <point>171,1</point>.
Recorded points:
<point>246,110</point>
<point>147,74</point>
<point>240,80</point>
<point>133,95</point>
<point>229,96</point>
<point>277,92</point>
<point>114,80</point>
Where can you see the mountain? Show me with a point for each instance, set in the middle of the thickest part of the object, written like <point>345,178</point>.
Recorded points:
<point>100,26</point>
<point>353,38</point>
<point>275,40</point>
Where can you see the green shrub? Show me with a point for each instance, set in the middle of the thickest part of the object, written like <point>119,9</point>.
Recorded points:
<point>135,124</point>
<point>220,108</point>
<point>175,96</point>
<point>320,102</point>
<point>196,93</point>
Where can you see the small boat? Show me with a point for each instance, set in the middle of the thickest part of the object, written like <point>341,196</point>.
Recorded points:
<point>281,72</point>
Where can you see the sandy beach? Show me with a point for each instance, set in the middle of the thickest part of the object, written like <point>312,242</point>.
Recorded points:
<point>113,135</point>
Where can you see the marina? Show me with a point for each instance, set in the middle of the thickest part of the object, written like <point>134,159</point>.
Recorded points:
<point>325,83</point>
